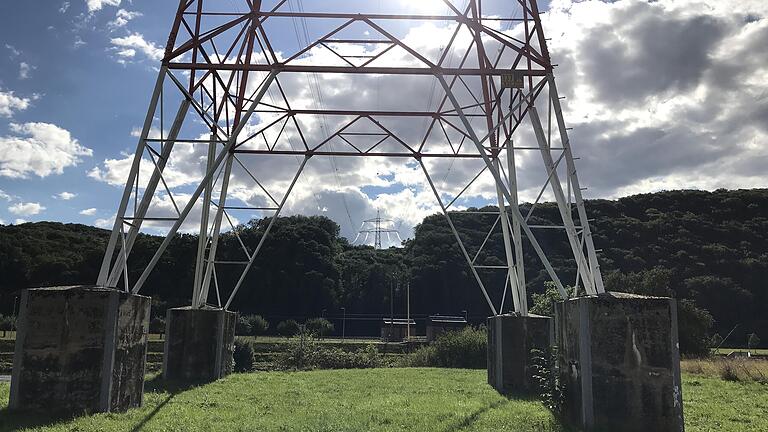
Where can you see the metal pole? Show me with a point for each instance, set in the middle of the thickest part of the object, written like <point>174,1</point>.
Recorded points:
<point>202,239</point>
<point>516,234</point>
<point>408,309</point>
<point>458,238</point>
<point>583,220</point>
<point>107,260</point>
<point>266,232</point>
<point>497,177</point>
<point>230,144</point>
<point>343,323</point>
<point>391,310</point>
<point>209,263</point>
<point>149,191</point>
<point>557,189</point>
<point>511,272</point>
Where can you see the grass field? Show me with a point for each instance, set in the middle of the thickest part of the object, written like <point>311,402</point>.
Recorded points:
<point>378,400</point>
<point>341,400</point>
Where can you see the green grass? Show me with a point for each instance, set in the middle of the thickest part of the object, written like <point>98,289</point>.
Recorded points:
<point>711,404</point>
<point>378,400</point>
<point>341,400</point>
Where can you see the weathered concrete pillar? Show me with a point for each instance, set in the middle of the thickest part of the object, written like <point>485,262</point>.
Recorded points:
<point>80,349</point>
<point>510,341</point>
<point>198,344</point>
<point>620,363</point>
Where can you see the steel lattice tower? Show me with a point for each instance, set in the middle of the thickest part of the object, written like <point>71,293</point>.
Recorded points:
<point>377,226</point>
<point>225,87</point>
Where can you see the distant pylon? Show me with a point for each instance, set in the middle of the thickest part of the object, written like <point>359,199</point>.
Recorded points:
<point>377,226</point>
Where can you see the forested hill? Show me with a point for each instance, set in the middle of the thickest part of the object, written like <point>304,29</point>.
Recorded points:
<point>707,247</point>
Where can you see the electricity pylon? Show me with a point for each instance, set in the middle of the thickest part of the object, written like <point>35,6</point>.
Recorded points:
<point>251,105</point>
<point>377,226</point>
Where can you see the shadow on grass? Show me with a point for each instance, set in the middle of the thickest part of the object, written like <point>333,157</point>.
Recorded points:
<point>470,419</point>
<point>12,420</point>
<point>473,417</point>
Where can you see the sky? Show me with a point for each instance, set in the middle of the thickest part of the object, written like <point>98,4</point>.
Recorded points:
<point>665,94</point>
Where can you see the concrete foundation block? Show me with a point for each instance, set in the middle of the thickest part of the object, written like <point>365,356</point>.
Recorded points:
<point>80,349</point>
<point>619,360</point>
<point>510,341</point>
<point>198,344</point>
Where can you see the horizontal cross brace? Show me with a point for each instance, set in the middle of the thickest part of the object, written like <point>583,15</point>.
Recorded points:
<point>310,153</point>
<point>378,70</point>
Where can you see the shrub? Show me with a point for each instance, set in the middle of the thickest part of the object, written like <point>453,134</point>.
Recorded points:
<point>545,380</point>
<point>458,349</point>
<point>157,325</point>
<point>251,325</point>
<point>243,326</point>
<point>303,352</point>
<point>728,370</point>
<point>753,341</point>
<point>288,328</point>
<point>243,355</point>
<point>298,353</point>
<point>259,325</point>
<point>336,358</point>
<point>319,327</point>
<point>7,323</point>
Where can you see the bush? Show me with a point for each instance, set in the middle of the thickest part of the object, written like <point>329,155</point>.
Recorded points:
<point>545,380</point>
<point>157,325</point>
<point>753,341</point>
<point>319,327</point>
<point>7,323</point>
<point>251,325</point>
<point>693,324</point>
<point>243,326</point>
<point>304,352</point>
<point>298,353</point>
<point>458,349</point>
<point>259,325</point>
<point>243,355</point>
<point>288,328</point>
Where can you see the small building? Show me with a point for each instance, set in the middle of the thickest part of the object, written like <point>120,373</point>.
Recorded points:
<point>439,324</point>
<point>396,330</point>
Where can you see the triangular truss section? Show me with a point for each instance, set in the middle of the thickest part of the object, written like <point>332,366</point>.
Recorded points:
<point>239,109</point>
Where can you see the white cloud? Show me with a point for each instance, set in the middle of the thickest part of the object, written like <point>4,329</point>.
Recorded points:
<point>10,103</point>
<point>40,149</point>
<point>106,223</point>
<point>64,7</point>
<point>14,52</point>
<point>88,212</point>
<point>643,118</point>
<point>26,209</point>
<point>24,70</point>
<point>66,196</point>
<point>19,221</point>
<point>95,5</point>
<point>122,17</point>
<point>5,196</point>
<point>127,47</point>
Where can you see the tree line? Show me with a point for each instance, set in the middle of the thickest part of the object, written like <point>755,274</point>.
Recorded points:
<point>707,249</point>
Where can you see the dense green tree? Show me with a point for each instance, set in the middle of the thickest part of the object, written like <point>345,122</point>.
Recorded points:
<point>707,249</point>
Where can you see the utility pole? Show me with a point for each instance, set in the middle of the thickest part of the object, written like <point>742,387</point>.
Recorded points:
<point>408,309</point>
<point>391,307</point>
<point>377,226</point>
